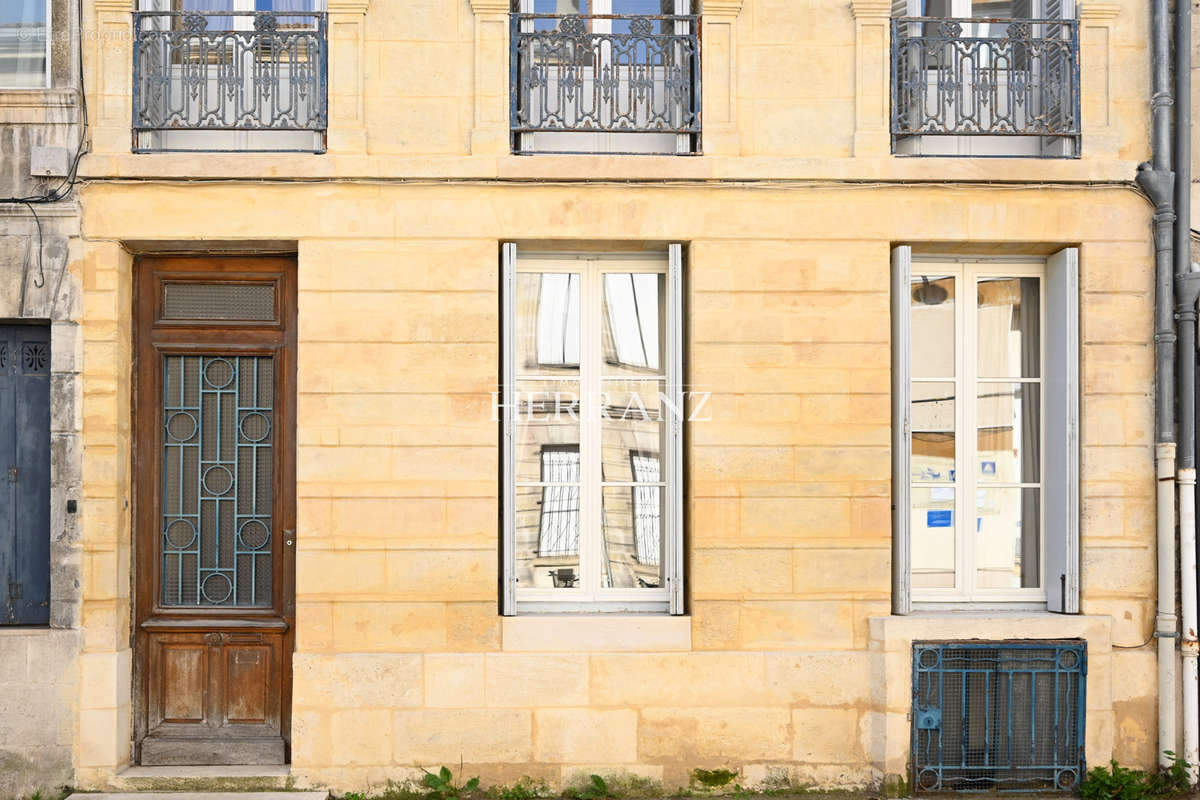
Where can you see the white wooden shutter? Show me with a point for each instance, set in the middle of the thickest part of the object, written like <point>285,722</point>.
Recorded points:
<point>674,449</point>
<point>508,475</point>
<point>1061,384</point>
<point>901,429</point>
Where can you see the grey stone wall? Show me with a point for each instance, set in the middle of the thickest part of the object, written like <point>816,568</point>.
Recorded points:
<point>39,667</point>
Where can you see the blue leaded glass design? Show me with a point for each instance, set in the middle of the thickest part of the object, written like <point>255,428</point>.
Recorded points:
<point>218,462</point>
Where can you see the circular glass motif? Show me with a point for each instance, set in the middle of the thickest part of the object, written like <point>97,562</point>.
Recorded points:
<point>254,534</point>
<point>218,373</point>
<point>217,480</point>
<point>216,588</point>
<point>181,426</point>
<point>255,426</point>
<point>180,534</point>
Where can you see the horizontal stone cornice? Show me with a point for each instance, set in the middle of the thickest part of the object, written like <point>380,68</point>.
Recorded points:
<point>721,8</point>
<point>1099,10</point>
<point>870,8</point>
<point>489,7</point>
<point>348,6</point>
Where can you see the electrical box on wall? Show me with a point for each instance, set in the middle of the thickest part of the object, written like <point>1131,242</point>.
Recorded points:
<point>49,162</point>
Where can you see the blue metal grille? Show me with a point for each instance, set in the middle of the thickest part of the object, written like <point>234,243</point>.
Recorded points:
<point>217,480</point>
<point>991,716</point>
<point>604,73</point>
<point>230,71</point>
<point>986,77</point>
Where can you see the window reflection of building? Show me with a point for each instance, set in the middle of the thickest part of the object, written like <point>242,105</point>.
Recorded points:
<point>557,319</point>
<point>558,530</point>
<point>631,332</point>
<point>590,338</point>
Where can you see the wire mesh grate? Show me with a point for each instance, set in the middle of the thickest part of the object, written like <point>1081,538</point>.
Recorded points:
<point>998,716</point>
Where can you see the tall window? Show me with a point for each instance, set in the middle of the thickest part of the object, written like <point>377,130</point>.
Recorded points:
<point>592,402</point>
<point>986,359</point>
<point>24,44</point>
<point>976,431</point>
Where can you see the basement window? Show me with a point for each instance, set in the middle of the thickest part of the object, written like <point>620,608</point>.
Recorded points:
<point>998,716</point>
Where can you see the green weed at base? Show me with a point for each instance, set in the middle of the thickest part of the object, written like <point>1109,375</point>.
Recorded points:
<point>1115,782</point>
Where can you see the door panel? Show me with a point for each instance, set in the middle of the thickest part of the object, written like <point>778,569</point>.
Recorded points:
<point>215,411</point>
<point>25,474</point>
<point>183,681</point>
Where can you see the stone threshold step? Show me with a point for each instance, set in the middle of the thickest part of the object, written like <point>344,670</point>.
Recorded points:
<point>175,779</point>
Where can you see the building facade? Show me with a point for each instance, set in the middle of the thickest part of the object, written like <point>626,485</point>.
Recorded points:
<point>623,387</point>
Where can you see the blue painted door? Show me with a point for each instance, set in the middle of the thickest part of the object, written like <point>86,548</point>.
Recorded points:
<point>25,474</point>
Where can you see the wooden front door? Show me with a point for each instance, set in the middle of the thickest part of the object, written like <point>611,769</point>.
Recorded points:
<point>214,417</point>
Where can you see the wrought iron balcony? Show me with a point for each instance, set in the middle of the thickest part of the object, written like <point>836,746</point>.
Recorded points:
<point>605,83</point>
<point>229,81</point>
<point>987,78</point>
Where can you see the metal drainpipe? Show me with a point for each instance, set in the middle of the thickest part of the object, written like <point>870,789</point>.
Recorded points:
<point>1158,182</point>
<point>1187,286</point>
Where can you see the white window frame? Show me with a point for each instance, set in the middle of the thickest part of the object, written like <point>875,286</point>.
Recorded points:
<point>1059,546</point>
<point>589,595</point>
<point>48,78</point>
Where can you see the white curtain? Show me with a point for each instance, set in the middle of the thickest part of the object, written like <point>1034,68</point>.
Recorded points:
<point>23,36</point>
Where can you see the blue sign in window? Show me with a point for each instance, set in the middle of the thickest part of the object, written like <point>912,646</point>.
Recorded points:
<point>939,519</point>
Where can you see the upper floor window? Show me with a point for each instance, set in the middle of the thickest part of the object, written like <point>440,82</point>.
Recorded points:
<point>24,44</point>
<point>986,380</point>
<point>592,443</point>
<point>230,75</point>
<point>605,76</point>
<point>985,78</point>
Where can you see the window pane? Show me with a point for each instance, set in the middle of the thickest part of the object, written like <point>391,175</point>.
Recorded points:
<point>547,324</point>
<point>561,6</point>
<point>547,529</point>
<point>932,313</point>
<point>632,528</point>
<point>1009,320</point>
<point>1009,435</point>
<point>23,32</point>
<point>1007,540</point>
<point>651,8</point>
<point>547,415</point>
<point>933,537</point>
<point>933,432</point>
<point>634,313</point>
<point>633,423</point>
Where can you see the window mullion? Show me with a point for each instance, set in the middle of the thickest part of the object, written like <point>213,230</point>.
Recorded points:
<point>966,473</point>
<point>590,432</point>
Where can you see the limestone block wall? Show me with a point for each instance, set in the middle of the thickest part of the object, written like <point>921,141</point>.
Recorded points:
<point>787,663</point>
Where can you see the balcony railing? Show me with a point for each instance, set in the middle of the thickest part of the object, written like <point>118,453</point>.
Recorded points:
<point>987,77</point>
<point>229,81</point>
<point>631,82</point>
